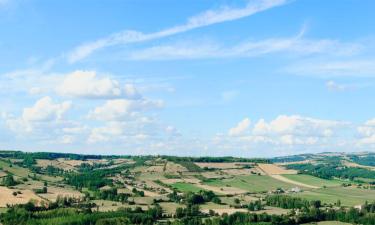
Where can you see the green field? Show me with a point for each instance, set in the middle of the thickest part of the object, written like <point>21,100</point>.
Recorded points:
<point>327,223</point>
<point>314,181</point>
<point>15,170</point>
<point>186,187</point>
<point>252,183</point>
<point>348,196</point>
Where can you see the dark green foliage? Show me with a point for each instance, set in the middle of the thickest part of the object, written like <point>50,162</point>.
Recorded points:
<point>368,160</point>
<point>9,181</point>
<point>31,215</point>
<point>330,171</point>
<point>227,159</point>
<point>289,202</point>
<point>255,206</point>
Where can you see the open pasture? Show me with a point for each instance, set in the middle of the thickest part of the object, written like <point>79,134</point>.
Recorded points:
<point>186,187</point>
<point>314,181</point>
<point>251,183</point>
<point>349,196</point>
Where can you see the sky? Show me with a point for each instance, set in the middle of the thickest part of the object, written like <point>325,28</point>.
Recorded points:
<point>248,78</point>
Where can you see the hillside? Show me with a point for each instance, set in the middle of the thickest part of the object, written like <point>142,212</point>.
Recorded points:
<point>54,188</point>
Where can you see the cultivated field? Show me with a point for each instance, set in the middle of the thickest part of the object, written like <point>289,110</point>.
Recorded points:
<point>23,196</point>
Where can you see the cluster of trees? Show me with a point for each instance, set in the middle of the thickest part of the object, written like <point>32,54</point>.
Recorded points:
<point>91,180</point>
<point>188,212</point>
<point>292,158</point>
<point>255,206</point>
<point>225,159</point>
<point>9,181</point>
<point>368,160</point>
<point>289,202</point>
<point>30,214</point>
<point>329,171</point>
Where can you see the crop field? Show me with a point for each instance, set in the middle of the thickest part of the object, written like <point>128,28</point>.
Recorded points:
<point>186,187</point>
<point>273,169</point>
<point>24,196</point>
<point>223,165</point>
<point>314,181</point>
<point>251,183</point>
<point>236,188</point>
<point>348,196</point>
<point>15,170</point>
<point>328,223</point>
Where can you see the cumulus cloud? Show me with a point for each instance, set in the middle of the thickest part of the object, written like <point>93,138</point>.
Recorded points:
<point>46,110</point>
<point>296,125</point>
<point>44,118</point>
<point>120,109</point>
<point>367,132</point>
<point>201,20</point>
<point>285,130</point>
<point>240,128</point>
<point>86,84</point>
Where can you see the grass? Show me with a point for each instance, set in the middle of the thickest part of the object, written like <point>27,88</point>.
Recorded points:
<point>314,181</point>
<point>14,169</point>
<point>251,183</point>
<point>211,205</point>
<point>348,196</point>
<point>186,187</point>
<point>327,223</point>
<point>3,210</point>
<point>170,207</point>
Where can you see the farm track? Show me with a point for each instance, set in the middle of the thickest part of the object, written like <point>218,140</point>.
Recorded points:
<point>276,173</point>
<point>286,180</point>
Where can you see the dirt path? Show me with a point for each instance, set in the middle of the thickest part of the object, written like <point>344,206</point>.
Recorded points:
<point>222,190</point>
<point>276,172</point>
<point>286,180</point>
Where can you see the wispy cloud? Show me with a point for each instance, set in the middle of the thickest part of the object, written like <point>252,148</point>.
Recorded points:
<point>204,19</point>
<point>297,45</point>
<point>326,68</point>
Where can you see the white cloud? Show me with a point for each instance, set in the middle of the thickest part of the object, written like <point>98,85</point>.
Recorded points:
<point>120,109</point>
<point>86,84</point>
<point>296,125</point>
<point>45,110</point>
<point>333,86</point>
<point>240,128</point>
<point>44,120</point>
<point>367,132</point>
<point>293,45</point>
<point>204,19</point>
<point>326,68</point>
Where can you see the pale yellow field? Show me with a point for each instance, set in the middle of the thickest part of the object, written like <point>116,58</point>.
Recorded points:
<point>222,165</point>
<point>54,192</point>
<point>222,190</point>
<point>61,165</point>
<point>2,174</point>
<point>173,167</point>
<point>7,197</point>
<point>74,163</point>
<point>272,169</point>
<point>284,179</point>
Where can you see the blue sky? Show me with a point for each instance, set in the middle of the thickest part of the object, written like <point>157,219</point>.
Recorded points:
<point>198,77</point>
